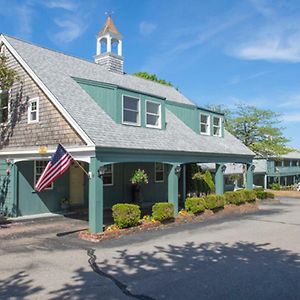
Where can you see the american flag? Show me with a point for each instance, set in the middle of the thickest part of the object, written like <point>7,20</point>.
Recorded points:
<point>59,163</point>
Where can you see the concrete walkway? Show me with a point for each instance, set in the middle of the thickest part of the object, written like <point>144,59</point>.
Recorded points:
<point>255,256</point>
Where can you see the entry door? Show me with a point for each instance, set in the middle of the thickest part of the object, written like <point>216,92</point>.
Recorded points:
<point>76,185</point>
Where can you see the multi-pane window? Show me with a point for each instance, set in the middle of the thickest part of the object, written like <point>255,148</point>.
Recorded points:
<point>204,124</point>
<point>39,168</point>
<point>4,103</point>
<point>216,126</point>
<point>131,110</point>
<point>153,114</point>
<point>159,172</point>
<point>33,110</point>
<point>108,175</point>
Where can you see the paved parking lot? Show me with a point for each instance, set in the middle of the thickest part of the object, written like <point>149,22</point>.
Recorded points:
<point>255,256</point>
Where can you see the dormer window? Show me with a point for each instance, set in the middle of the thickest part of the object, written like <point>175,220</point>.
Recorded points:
<point>33,110</point>
<point>131,110</point>
<point>205,124</point>
<point>216,126</point>
<point>153,114</point>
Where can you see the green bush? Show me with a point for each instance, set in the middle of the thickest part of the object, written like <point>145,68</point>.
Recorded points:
<point>275,186</point>
<point>126,215</point>
<point>261,195</point>
<point>163,211</point>
<point>194,205</point>
<point>240,197</point>
<point>214,201</point>
<point>250,195</point>
<point>232,198</point>
<point>270,195</point>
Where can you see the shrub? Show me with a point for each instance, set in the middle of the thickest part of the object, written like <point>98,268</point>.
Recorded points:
<point>232,198</point>
<point>214,201</point>
<point>162,211</point>
<point>270,195</point>
<point>126,215</point>
<point>195,205</point>
<point>275,186</point>
<point>261,195</point>
<point>240,197</point>
<point>250,195</point>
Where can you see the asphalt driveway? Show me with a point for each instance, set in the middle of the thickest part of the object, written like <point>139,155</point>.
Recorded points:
<point>255,256</point>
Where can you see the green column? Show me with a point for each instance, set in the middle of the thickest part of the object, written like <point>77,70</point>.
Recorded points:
<point>249,176</point>
<point>219,179</point>
<point>183,182</point>
<point>95,197</point>
<point>173,187</point>
<point>14,189</point>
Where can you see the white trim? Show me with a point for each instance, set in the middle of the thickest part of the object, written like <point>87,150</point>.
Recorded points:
<point>30,101</point>
<point>112,176</point>
<point>48,93</point>
<point>200,123</point>
<point>220,126</point>
<point>159,112</point>
<point>34,174</point>
<point>163,170</point>
<point>139,112</point>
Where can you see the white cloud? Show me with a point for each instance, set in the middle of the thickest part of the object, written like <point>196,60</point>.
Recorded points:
<point>147,27</point>
<point>63,4</point>
<point>70,30</point>
<point>291,117</point>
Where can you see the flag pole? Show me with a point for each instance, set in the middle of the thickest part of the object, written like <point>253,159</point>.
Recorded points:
<point>82,168</point>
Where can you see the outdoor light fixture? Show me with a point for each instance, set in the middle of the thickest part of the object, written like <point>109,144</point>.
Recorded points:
<point>252,168</point>
<point>101,171</point>
<point>223,168</point>
<point>177,170</point>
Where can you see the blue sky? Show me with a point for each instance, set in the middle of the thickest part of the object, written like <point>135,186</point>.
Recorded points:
<point>215,52</point>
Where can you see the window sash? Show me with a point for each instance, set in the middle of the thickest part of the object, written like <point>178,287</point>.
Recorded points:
<point>156,117</point>
<point>108,177</point>
<point>159,172</point>
<point>4,106</point>
<point>129,113</point>
<point>39,167</point>
<point>205,126</point>
<point>33,110</point>
<point>217,127</point>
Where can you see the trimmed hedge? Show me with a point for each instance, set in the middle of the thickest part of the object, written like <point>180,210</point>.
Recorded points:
<point>163,211</point>
<point>195,205</point>
<point>126,215</point>
<point>233,198</point>
<point>240,197</point>
<point>250,195</point>
<point>264,195</point>
<point>214,201</point>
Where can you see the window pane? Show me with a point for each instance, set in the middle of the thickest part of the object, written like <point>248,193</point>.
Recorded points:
<point>204,128</point>
<point>204,119</point>
<point>216,131</point>
<point>152,120</point>
<point>216,121</point>
<point>107,179</point>
<point>153,108</point>
<point>33,116</point>
<point>130,116</point>
<point>130,103</point>
<point>159,176</point>
<point>108,168</point>
<point>159,167</point>
<point>33,106</point>
<point>4,107</point>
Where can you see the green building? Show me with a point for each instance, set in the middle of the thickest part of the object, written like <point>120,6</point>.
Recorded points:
<point>113,123</point>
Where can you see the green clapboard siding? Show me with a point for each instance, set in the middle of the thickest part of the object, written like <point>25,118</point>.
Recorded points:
<point>6,193</point>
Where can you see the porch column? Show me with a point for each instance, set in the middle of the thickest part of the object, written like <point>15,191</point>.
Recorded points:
<point>173,186</point>
<point>219,179</point>
<point>249,176</point>
<point>265,181</point>
<point>14,191</point>
<point>95,197</point>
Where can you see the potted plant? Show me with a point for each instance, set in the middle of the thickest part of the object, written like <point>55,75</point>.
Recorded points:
<point>138,178</point>
<point>65,204</point>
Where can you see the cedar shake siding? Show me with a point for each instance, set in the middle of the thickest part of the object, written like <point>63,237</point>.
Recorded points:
<point>52,127</point>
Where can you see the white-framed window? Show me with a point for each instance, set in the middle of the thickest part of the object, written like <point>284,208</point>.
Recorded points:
<point>4,106</point>
<point>33,110</point>
<point>217,126</point>
<point>131,110</point>
<point>108,177</point>
<point>205,124</point>
<point>159,172</point>
<point>39,167</point>
<point>153,114</point>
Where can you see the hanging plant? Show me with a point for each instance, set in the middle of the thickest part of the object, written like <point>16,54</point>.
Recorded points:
<point>139,177</point>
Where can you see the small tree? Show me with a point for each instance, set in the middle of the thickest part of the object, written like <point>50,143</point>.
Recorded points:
<point>152,77</point>
<point>7,75</point>
<point>205,182</point>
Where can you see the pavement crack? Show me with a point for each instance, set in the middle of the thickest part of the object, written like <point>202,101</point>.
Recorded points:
<point>123,287</point>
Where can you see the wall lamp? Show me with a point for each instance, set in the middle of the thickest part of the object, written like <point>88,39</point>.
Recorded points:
<point>252,168</point>
<point>101,171</point>
<point>223,168</point>
<point>177,170</point>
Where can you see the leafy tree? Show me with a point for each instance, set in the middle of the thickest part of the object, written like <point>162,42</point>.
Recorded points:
<point>152,77</point>
<point>258,129</point>
<point>7,75</point>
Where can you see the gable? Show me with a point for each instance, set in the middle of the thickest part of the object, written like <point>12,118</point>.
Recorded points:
<point>52,127</point>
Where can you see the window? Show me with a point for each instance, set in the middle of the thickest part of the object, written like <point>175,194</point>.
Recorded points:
<point>131,110</point>
<point>39,168</point>
<point>286,163</point>
<point>159,172</point>
<point>33,110</point>
<point>294,163</point>
<point>4,106</point>
<point>108,175</point>
<point>153,114</point>
<point>204,124</point>
<point>216,126</point>
<point>278,163</point>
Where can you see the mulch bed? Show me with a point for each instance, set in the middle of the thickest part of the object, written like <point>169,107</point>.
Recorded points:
<point>180,219</point>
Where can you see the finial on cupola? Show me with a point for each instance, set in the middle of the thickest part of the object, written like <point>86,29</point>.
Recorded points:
<point>109,46</point>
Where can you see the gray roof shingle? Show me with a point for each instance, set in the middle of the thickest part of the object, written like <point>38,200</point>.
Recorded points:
<point>56,71</point>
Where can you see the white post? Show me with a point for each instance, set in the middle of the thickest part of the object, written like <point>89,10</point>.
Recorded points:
<point>266,182</point>
<point>120,48</point>
<point>108,45</point>
<point>98,47</point>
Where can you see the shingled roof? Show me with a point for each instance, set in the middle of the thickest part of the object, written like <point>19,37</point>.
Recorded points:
<point>57,70</point>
